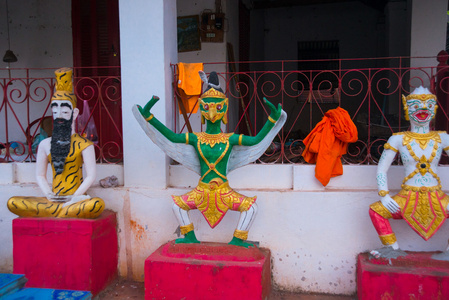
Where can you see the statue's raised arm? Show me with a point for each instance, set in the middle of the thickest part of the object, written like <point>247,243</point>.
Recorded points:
<point>244,140</point>
<point>149,117</point>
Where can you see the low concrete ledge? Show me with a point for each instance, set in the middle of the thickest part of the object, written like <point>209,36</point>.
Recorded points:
<point>296,177</point>
<point>11,173</point>
<point>254,176</point>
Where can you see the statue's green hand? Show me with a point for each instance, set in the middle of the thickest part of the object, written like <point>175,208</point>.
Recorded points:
<point>275,113</point>
<point>147,108</point>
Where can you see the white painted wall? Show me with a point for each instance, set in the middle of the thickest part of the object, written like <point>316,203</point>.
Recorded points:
<point>314,233</point>
<point>41,37</point>
<point>40,31</point>
<point>210,52</point>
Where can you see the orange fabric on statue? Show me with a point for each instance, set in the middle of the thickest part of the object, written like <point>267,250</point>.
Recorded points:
<point>189,85</point>
<point>328,141</point>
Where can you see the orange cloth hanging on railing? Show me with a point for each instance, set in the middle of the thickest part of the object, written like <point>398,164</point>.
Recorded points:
<point>328,141</point>
<point>189,85</point>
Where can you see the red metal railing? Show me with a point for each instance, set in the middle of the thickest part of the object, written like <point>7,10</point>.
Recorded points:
<point>369,89</point>
<point>25,116</point>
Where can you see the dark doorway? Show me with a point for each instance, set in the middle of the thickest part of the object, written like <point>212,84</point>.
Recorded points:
<point>96,60</point>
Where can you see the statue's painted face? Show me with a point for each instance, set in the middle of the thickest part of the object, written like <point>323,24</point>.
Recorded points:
<point>61,109</point>
<point>214,109</point>
<point>421,111</point>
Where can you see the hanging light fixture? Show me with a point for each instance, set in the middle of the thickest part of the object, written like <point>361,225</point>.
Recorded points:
<point>9,56</point>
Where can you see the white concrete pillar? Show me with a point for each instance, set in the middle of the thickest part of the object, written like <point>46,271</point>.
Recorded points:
<point>148,45</point>
<point>428,32</point>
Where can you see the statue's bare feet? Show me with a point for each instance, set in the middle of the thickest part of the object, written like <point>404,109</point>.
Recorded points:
<point>239,242</point>
<point>189,238</point>
<point>387,252</point>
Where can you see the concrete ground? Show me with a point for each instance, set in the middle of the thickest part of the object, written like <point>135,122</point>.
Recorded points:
<point>125,289</point>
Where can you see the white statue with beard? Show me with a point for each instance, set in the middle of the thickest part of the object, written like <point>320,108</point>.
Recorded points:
<point>67,152</point>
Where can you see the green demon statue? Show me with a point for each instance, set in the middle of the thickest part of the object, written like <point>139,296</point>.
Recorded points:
<point>212,154</point>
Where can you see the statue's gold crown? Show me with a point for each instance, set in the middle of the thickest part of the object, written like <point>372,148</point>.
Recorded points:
<point>64,86</point>
<point>421,97</point>
<point>213,93</point>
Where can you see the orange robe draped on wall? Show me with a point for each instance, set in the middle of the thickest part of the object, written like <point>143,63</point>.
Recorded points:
<point>328,141</point>
<point>189,85</point>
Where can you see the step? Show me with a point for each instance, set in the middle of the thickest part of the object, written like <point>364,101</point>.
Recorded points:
<point>10,283</point>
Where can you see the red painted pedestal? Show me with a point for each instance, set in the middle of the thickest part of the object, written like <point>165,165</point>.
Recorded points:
<point>207,271</point>
<point>416,276</point>
<point>74,254</point>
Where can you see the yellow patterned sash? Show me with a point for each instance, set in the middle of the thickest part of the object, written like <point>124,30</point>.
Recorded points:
<point>424,208</point>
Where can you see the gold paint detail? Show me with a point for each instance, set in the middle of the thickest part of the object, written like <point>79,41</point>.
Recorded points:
<point>423,208</point>
<point>212,139</point>
<point>186,229</point>
<point>388,239</point>
<point>420,188</point>
<point>388,146</point>
<point>383,193</point>
<point>240,139</point>
<point>379,208</point>
<point>271,119</point>
<point>421,138</point>
<point>241,234</point>
<point>421,97</point>
<point>447,148</point>
<point>207,141</point>
<point>178,201</point>
<point>213,200</point>
<point>187,138</point>
<point>404,104</point>
<point>64,86</point>
<point>212,93</point>
<point>149,118</point>
<point>423,165</point>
